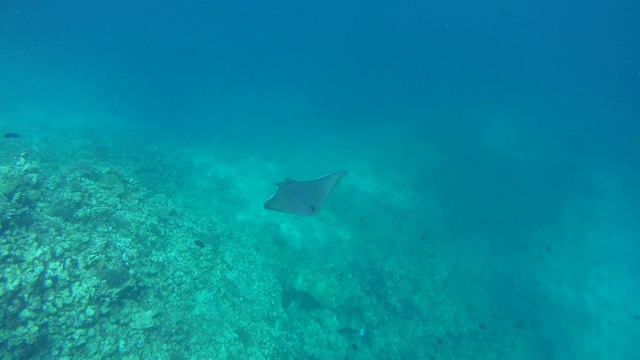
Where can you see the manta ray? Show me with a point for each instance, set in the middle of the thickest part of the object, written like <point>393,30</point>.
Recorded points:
<point>303,197</point>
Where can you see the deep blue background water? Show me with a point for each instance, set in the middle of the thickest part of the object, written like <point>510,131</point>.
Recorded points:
<point>532,106</point>
<point>160,62</point>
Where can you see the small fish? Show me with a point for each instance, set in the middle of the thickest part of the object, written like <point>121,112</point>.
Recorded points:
<point>548,248</point>
<point>482,326</point>
<point>354,346</point>
<point>518,325</point>
<point>351,332</point>
<point>439,341</point>
<point>199,243</point>
<point>173,212</point>
<point>432,256</point>
<point>636,317</point>
<point>11,135</point>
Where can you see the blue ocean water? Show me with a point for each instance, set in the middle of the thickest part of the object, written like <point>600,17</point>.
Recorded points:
<point>488,211</point>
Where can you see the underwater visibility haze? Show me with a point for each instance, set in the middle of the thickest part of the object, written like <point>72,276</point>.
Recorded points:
<point>489,210</point>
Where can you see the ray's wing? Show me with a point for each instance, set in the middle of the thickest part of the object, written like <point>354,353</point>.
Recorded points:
<point>303,197</point>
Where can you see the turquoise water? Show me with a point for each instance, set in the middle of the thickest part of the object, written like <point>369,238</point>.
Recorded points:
<point>489,210</point>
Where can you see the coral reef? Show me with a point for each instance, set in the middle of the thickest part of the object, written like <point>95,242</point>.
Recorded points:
<point>99,261</point>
